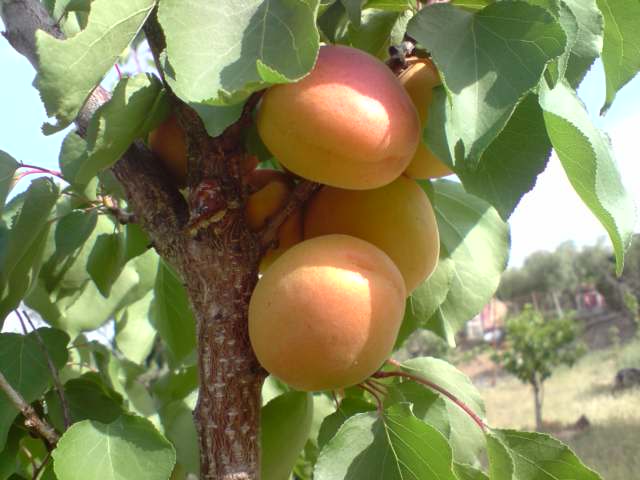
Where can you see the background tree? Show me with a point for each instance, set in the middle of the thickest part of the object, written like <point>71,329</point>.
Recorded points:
<point>171,260</point>
<point>534,347</point>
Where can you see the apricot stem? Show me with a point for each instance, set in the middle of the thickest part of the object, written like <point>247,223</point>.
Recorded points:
<point>433,386</point>
<point>35,169</point>
<point>367,388</point>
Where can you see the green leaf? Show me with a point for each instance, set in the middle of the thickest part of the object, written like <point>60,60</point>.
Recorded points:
<point>73,154</point>
<point>137,105</point>
<point>177,420</point>
<point>129,447</point>
<point>23,244</point>
<point>171,314</point>
<point>354,10</point>
<point>428,406</point>
<point>135,335</point>
<point>391,5</point>
<point>467,472</point>
<point>588,41</point>
<point>136,241</point>
<point>586,156</point>
<point>466,437</point>
<point>332,423</point>
<point>285,423</point>
<point>393,446</point>
<point>488,61</point>
<point>621,49</point>
<point>476,240</point>
<point>87,398</point>
<point>24,364</point>
<point>233,48</point>
<point>373,33</point>
<point>106,261</point>
<point>70,69</point>
<point>517,455</point>
<point>9,453</point>
<point>510,165</point>
<point>424,301</point>
<point>217,118</point>
<point>8,167</point>
<point>73,230</point>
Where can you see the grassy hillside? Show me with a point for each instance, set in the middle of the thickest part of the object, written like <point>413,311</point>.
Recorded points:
<point>611,445</point>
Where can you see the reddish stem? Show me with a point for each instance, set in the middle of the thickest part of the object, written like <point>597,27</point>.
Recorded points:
<point>35,169</point>
<point>423,381</point>
<point>365,386</point>
<point>118,70</point>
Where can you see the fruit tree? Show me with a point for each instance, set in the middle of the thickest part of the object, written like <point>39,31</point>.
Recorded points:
<point>261,217</point>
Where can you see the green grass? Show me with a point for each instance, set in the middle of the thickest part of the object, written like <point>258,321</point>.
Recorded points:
<point>611,446</point>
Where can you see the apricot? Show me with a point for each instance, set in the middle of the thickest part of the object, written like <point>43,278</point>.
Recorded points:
<point>419,80</point>
<point>168,142</point>
<point>271,189</point>
<point>326,314</point>
<point>349,123</point>
<point>397,218</point>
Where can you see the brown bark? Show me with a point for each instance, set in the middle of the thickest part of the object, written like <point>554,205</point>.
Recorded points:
<point>218,263</point>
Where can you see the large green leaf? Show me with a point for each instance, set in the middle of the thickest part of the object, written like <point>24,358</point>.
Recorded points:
<point>394,445</point>
<point>377,30</point>
<point>135,335</point>
<point>621,49</point>
<point>137,106</point>
<point>171,314</point>
<point>87,398</point>
<point>588,41</point>
<point>510,165</point>
<point>105,261</point>
<point>177,421</point>
<point>8,166</point>
<point>235,47</point>
<point>586,156</point>
<point>25,365</point>
<point>129,447</point>
<point>466,437</point>
<point>428,406</point>
<point>285,423</point>
<point>347,409</point>
<point>488,61</point>
<point>9,453</point>
<point>467,472</point>
<point>22,245</point>
<point>70,69</point>
<point>475,240</point>
<point>533,456</point>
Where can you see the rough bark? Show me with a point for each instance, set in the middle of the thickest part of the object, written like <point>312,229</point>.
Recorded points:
<point>218,262</point>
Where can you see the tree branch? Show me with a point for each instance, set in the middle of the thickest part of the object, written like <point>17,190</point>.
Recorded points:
<point>45,430</point>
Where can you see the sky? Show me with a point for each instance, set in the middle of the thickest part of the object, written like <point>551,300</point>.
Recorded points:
<point>547,216</point>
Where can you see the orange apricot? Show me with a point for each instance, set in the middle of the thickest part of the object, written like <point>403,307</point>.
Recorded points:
<point>397,218</point>
<point>326,314</point>
<point>349,123</point>
<point>271,189</point>
<point>419,80</point>
<point>169,144</point>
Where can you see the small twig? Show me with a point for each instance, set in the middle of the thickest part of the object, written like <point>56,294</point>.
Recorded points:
<point>365,386</point>
<point>122,216</point>
<point>432,386</point>
<point>377,386</point>
<point>38,470</point>
<point>303,191</point>
<point>37,169</point>
<point>29,456</point>
<point>32,420</point>
<point>54,372</point>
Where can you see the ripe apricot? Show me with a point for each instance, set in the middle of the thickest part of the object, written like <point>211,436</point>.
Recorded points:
<point>397,218</point>
<point>271,189</point>
<point>326,314</point>
<point>419,80</point>
<point>169,144</point>
<point>349,123</point>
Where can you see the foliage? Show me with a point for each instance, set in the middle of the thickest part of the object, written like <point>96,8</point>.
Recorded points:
<point>535,346</point>
<point>123,410</point>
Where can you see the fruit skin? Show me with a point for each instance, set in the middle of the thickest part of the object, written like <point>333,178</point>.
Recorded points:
<point>169,144</point>
<point>419,80</point>
<point>271,189</point>
<point>349,123</point>
<point>326,314</point>
<point>397,218</point>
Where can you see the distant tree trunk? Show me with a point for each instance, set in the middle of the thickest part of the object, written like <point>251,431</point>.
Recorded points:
<point>537,401</point>
<point>556,302</point>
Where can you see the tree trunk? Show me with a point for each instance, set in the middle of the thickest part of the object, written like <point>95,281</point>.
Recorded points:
<point>556,302</point>
<point>537,401</point>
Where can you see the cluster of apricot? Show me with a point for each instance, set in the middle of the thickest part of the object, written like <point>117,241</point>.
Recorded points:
<point>328,307</point>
